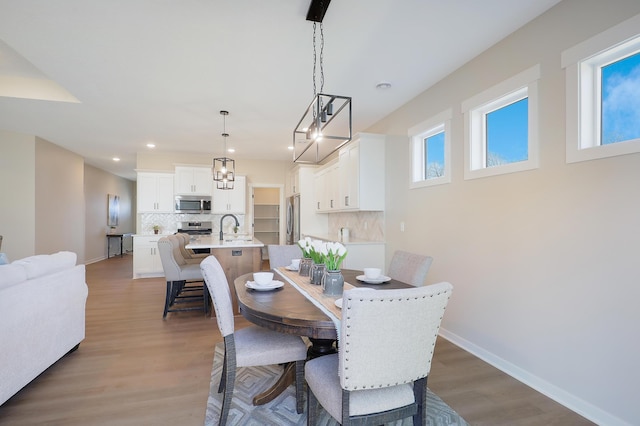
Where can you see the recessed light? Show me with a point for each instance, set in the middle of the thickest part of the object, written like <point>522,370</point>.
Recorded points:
<point>151,145</point>
<point>290,148</point>
<point>115,159</point>
<point>383,85</point>
<point>231,150</point>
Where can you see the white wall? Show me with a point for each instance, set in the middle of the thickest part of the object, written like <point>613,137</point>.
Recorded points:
<point>257,171</point>
<point>17,194</point>
<point>543,262</point>
<point>59,207</point>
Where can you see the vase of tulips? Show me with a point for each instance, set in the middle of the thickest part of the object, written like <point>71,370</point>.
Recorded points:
<point>332,280</point>
<point>306,262</point>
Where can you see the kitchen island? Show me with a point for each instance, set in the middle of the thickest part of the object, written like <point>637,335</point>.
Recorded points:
<point>238,255</point>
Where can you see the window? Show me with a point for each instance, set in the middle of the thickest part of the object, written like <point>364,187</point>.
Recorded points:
<point>431,151</point>
<point>501,127</point>
<point>603,94</point>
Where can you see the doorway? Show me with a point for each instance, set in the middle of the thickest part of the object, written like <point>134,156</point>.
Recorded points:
<point>267,215</point>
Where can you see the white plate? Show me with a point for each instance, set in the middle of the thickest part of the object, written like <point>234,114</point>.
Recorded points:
<point>338,303</point>
<point>380,280</point>
<point>267,287</point>
<point>290,268</point>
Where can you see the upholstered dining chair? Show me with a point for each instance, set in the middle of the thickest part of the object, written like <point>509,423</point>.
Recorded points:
<point>178,273</point>
<point>281,255</point>
<point>189,255</point>
<point>248,346</point>
<point>380,372</point>
<point>409,268</point>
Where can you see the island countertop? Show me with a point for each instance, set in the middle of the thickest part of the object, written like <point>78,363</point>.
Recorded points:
<point>213,242</point>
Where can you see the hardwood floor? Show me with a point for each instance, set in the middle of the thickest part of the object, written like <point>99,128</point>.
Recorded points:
<point>133,368</point>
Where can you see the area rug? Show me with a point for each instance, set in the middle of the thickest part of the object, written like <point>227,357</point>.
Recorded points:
<point>282,410</point>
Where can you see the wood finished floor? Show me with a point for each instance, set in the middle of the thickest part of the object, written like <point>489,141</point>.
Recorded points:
<point>133,368</point>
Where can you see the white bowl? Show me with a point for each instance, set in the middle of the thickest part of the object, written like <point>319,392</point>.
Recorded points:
<point>372,273</point>
<point>263,278</point>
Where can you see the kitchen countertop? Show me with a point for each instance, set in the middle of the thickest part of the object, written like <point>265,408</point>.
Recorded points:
<point>212,241</point>
<point>351,240</point>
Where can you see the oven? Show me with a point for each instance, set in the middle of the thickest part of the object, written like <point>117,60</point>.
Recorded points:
<point>196,228</point>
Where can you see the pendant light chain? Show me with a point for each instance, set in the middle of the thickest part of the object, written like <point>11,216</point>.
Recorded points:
<point>315,61</point>
<point>321,58</point>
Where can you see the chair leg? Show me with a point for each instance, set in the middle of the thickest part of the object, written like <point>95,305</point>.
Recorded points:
<point>420,395</point>
<point>224,373</point>
<point>229,377</point>
<point>205,296</point>
<point>312,408</point>
<point>300,386</point>
<point>167,300</point>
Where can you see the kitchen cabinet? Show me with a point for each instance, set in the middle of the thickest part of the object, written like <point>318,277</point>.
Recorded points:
<point>305,186</point>
<point>326,188</point>
<point>356,179</point>
<point>155,192</point>
<point>231,200</point>
<point>193,180</point>
<point>146,257</point>
<point>362,174</point>
<point>297,178</point>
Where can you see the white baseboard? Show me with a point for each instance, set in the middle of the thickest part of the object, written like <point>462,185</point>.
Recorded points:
<point>94,260</point>
<point>573,403</point>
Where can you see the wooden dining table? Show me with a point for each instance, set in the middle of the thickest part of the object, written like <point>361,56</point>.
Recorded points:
<point>287,310</point>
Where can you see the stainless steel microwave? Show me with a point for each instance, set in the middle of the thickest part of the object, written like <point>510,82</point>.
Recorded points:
<point>192,204</point>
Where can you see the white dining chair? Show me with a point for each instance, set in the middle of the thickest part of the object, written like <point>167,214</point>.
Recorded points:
<point>380,372</point>
<point>410,268</point>
<point>248,346</point>
<point>281,255</point>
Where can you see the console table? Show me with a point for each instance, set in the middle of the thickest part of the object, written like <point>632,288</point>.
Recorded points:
<point>109,237</point>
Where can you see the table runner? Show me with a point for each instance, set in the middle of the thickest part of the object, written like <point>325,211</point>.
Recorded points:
<point>314,294</point>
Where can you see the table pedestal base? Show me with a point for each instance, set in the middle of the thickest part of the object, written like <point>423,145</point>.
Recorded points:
<point>319,347</point>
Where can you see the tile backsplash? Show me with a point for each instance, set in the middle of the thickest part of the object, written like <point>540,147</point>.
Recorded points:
<point>169,222</point>
<point>363,225</point>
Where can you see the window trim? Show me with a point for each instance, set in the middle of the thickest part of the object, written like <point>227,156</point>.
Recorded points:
<point>432,126</point>
<point>520,86</point>
<point>582,65</point>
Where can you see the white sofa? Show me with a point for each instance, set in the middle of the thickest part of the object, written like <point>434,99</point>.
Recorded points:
<point>42,316</point>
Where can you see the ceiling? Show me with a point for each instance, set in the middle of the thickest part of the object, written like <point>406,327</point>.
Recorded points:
<point>104,78</point>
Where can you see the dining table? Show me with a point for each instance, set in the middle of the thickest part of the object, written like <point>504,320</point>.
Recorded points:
<point>288,310</point>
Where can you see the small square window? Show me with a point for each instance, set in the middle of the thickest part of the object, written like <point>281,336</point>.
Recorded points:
<point>431,151</point>
<point>501,127</point>
<point>603,93</point>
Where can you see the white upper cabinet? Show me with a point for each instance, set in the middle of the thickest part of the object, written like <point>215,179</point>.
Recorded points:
<point>292,184</point>
<point>231,200</point>
<point>358,182</point>
<point>193,181</point>
<point>326,188</point>
<point>155,192</point>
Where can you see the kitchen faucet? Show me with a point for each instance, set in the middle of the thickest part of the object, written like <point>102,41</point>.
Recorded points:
<point>222,218</point>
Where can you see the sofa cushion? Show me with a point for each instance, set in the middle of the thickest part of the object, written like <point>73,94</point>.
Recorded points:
<point>11,275</point>
<point>42,264</point>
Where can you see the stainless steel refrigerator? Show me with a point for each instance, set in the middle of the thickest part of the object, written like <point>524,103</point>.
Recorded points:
<point>293,219</point>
